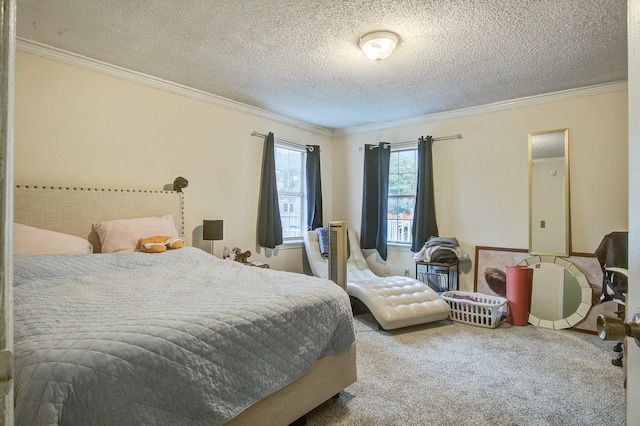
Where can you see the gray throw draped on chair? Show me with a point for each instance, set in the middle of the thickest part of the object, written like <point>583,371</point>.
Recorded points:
<point>373,228</point>
<point>314,188</point>
<point>424,213</point>
<point>269,225</point>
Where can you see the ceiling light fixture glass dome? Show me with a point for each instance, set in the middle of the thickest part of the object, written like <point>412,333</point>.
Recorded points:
<point>378,45</point>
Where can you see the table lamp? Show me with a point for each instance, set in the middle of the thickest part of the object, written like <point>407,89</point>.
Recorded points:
<point>212,230</point>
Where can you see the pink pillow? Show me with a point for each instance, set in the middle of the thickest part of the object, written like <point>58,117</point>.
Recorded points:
<point>123,234</point>
<point>31,240</point>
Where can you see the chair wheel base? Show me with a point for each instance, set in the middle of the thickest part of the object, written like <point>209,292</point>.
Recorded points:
<point>617,361</point>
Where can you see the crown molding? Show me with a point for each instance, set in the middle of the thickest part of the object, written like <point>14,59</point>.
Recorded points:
<point>70,58</point>
<point>484,109</point>
<point>74,59</point>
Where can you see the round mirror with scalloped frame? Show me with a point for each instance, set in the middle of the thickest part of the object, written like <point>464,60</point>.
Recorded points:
<point>560,294</point>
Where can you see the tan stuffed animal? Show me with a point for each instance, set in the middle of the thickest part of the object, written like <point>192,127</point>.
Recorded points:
<point>243,257</point>
<point>159,243</point>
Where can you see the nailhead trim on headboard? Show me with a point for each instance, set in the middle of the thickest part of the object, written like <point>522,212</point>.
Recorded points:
<point>68,188</point>
<point>92,189</point>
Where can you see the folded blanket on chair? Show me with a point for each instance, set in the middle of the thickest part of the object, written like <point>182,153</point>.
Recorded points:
<point>323,241</point>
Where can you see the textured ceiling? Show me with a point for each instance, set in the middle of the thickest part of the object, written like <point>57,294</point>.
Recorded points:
<point>301,58</point>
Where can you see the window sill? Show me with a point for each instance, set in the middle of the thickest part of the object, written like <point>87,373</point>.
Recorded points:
<point>399,247</point>
<point>292,244</point>
<point>297,244</point>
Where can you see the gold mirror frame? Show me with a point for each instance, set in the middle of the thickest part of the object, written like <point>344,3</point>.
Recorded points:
<point>549,216</point>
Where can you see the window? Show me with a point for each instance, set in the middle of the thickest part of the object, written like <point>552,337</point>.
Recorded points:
<point>290,175</point>
<point>403,176</point>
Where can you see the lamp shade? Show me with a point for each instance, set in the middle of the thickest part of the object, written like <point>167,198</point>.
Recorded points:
<point>378,45</point>
<point>212,230</point>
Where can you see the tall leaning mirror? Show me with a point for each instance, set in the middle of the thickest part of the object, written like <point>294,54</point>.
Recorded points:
<point>549,224</point>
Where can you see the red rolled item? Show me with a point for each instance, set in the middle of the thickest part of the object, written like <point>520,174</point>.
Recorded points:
<point>519,281</point>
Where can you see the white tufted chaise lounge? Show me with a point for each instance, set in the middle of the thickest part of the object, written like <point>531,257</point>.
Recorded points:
<point>394,301</point>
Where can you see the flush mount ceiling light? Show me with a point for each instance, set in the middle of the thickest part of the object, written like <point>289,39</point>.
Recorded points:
<point>378,45</point>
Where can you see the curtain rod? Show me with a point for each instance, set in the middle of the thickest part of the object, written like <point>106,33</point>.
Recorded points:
<point>297,145</point>
<point>442,138</point>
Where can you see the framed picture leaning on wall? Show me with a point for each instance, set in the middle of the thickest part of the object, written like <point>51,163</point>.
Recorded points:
<point>490,268</point>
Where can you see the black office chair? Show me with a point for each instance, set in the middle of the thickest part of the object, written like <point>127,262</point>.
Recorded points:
<point>612,254</point>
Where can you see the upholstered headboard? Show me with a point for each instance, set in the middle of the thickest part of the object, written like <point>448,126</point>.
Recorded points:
<point>73,210</point>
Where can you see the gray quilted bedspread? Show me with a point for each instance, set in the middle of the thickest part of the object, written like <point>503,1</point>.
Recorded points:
<point>178,338</point>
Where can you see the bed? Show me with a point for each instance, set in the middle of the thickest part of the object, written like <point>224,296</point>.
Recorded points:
<point>178,337</point>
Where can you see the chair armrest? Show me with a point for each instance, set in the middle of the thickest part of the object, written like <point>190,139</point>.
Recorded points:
<point>622,271</point>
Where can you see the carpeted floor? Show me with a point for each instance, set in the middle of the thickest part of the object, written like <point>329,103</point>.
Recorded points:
<point>448,373</point>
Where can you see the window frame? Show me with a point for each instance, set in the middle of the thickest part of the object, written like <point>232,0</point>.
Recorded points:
<point>390,197</point>
<point>302,194</point>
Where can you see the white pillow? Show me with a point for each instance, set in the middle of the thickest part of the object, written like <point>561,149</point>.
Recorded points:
<point>123,234</point>
<point>30,240</point>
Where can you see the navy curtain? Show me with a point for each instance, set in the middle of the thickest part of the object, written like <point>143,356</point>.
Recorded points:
<point>373,226</point>
<point>424,213</point>
<point>314,188</point>
<point>269,225</point>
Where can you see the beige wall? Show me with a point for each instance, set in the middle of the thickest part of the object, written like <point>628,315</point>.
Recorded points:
<point>481,181</point>
<point>79,127</point>
<point>83,128</point>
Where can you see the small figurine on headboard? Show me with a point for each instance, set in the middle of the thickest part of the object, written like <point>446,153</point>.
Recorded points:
<point>180,183</point>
